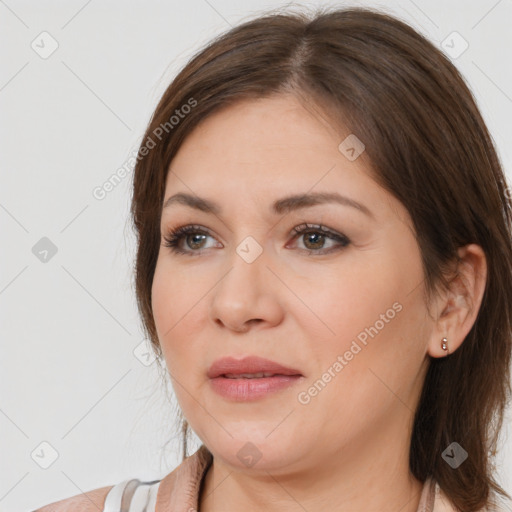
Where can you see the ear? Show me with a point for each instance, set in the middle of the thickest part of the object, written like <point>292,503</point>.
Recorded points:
<point>457,308</point>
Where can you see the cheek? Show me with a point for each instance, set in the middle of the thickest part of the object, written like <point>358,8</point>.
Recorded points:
<point>351,298</point>
<point>371,314</point>
<point>175,311</point>
<point>364,375</point>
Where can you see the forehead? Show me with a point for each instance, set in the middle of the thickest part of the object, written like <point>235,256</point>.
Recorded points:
<point>259,150</point>
<point>257,139</point>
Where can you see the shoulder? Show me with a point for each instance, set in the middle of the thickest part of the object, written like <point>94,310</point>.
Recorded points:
<point>90,501</point>
<point>497,503</point>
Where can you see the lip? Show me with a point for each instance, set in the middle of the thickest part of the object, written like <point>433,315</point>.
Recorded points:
<point>249,364</point>
<point>247,389</point>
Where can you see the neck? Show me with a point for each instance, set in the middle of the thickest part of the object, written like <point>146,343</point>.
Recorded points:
<point>368,474</point>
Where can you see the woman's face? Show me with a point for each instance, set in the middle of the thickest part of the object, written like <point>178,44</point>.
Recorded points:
<point>344,310</point>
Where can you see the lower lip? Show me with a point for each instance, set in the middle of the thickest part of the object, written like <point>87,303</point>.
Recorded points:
<point>242,390</point>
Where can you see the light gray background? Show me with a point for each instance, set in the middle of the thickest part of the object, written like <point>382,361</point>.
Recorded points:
<point>72,368</point>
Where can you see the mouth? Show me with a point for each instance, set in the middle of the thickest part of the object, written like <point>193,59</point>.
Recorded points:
<point>259,375</point>
<point>250,378</point>
<point>250,367</point>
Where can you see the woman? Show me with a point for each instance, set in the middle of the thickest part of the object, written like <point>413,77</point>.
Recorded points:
<point>325,264</point>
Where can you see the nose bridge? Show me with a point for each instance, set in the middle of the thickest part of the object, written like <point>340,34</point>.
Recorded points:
<point>247,272</point>
<point>244,293</point>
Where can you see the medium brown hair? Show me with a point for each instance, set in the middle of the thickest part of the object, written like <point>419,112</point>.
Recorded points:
<point>426,143</point>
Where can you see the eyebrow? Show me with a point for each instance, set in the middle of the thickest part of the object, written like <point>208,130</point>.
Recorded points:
<point>279,207</point>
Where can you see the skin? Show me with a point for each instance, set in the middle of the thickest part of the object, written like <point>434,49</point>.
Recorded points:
<point>348,448</point>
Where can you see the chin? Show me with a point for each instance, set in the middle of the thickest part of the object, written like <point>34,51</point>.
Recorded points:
<point>254,451</point>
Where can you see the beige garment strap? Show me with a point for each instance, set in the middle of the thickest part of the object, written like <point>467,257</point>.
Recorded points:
<point>428,496</point>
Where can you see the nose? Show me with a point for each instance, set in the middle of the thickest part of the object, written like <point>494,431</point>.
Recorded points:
<point>247,295</point>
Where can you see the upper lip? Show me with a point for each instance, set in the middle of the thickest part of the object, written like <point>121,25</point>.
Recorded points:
<point>249,364</point>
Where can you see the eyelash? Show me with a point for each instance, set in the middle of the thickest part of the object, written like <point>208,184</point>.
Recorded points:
<point>174,237</point>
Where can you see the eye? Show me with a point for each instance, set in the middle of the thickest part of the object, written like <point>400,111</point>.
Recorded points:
<point>193,234</point>
<point>314,235</point>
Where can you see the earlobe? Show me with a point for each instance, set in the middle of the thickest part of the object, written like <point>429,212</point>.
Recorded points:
<point>458,307</point>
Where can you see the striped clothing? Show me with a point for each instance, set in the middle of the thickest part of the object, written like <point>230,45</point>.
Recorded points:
<point>132,496</point>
